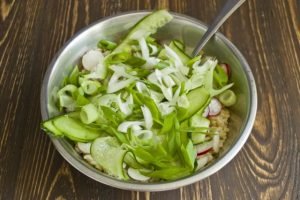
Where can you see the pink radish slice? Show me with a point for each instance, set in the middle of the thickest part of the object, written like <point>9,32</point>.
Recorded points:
<point>215,107</point>
<point>226,68</point>
<point>202,148</point>
<point>204,152</point>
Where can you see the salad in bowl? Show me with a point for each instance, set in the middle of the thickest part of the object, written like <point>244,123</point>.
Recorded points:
<point>144,110</point>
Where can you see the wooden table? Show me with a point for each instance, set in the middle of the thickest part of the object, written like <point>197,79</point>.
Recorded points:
<point>266,31</point>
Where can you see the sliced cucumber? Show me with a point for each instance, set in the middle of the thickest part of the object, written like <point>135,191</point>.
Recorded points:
<point>74,129</point>
<point>49,127</point>
<point>107,152</point>
<point>198,98</point>
<point>198,121</point>
<point>178,48</point>
<point>131,161</point>
<point>179,44</point>
<point>145,27</point>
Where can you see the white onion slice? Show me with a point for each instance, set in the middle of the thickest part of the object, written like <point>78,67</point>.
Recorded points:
<point>91,59</point>
<point>147,117</point>
<point>124,126</point>
<point>125,107</point>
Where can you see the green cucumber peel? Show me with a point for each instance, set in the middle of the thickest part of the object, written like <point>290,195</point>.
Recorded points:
<point>145,27</point>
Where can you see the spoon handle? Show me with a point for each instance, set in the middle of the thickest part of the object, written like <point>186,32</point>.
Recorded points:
<point>227,10</point>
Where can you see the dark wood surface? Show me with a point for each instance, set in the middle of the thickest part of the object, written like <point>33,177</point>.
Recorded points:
<point>266,31</point>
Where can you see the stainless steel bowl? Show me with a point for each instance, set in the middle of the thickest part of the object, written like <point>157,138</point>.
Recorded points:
<point>181,27</point>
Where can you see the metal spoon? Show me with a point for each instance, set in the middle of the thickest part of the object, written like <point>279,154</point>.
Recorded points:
<point>227,10</point>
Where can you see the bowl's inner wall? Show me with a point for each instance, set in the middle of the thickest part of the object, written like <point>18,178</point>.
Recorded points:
<point>178,28</point>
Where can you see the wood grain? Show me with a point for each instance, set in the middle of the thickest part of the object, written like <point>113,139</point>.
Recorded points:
<point>266,32</point>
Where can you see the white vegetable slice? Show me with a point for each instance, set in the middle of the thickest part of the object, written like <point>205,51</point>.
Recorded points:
<point>183,101</point>
<point>141,87</point>
<point>154,49</point>
<point>136,175</point>
<point>168,81</point>
<point>205,112</point>
<point>156,96</point>
<point>107,99</point>
<point>177,61</point>
<point>165,108</point>
<point>144,48</point>
<point>91,59</point>
<point>203,147</point>
<point>124,126</point>
<point>203,69</point>
<point>125,107</point>
<point>115,84</point>
<point>201,162</point>
<point>121,71</point>
<point>215,107</point>
<point>144,134</point>
<point>147,117</point>
<point>84,147</point>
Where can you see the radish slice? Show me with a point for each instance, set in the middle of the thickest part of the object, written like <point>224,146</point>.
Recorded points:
<point>226,68</point>
<point>136,175</point>
<point>215,107</point>
<point>205,112</point>
<point>216,143</point>
<point>201,162</point>
<point>201,148</point>
<point>204,152</point>
<point>84,147</point>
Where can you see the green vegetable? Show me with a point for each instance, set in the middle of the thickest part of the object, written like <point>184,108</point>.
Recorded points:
<point>135,61</point>
<point>106,45</point>
<point>116,58</point>
<point>189,154</point>
<point>220,76</point>
<point>49,127</point>
<point>201,122</point>
<point>66,97</point>
<point>228,98</point>
<point>88,114</point>
<point>168,173</point>
<point>198,98</point>
<point>145,27</point>
<point>208,85</point>
<point>108,153</point>
<point>90,87</point>
<point>178,47</point>
<point>73,77</point>
<point>74,129</point>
